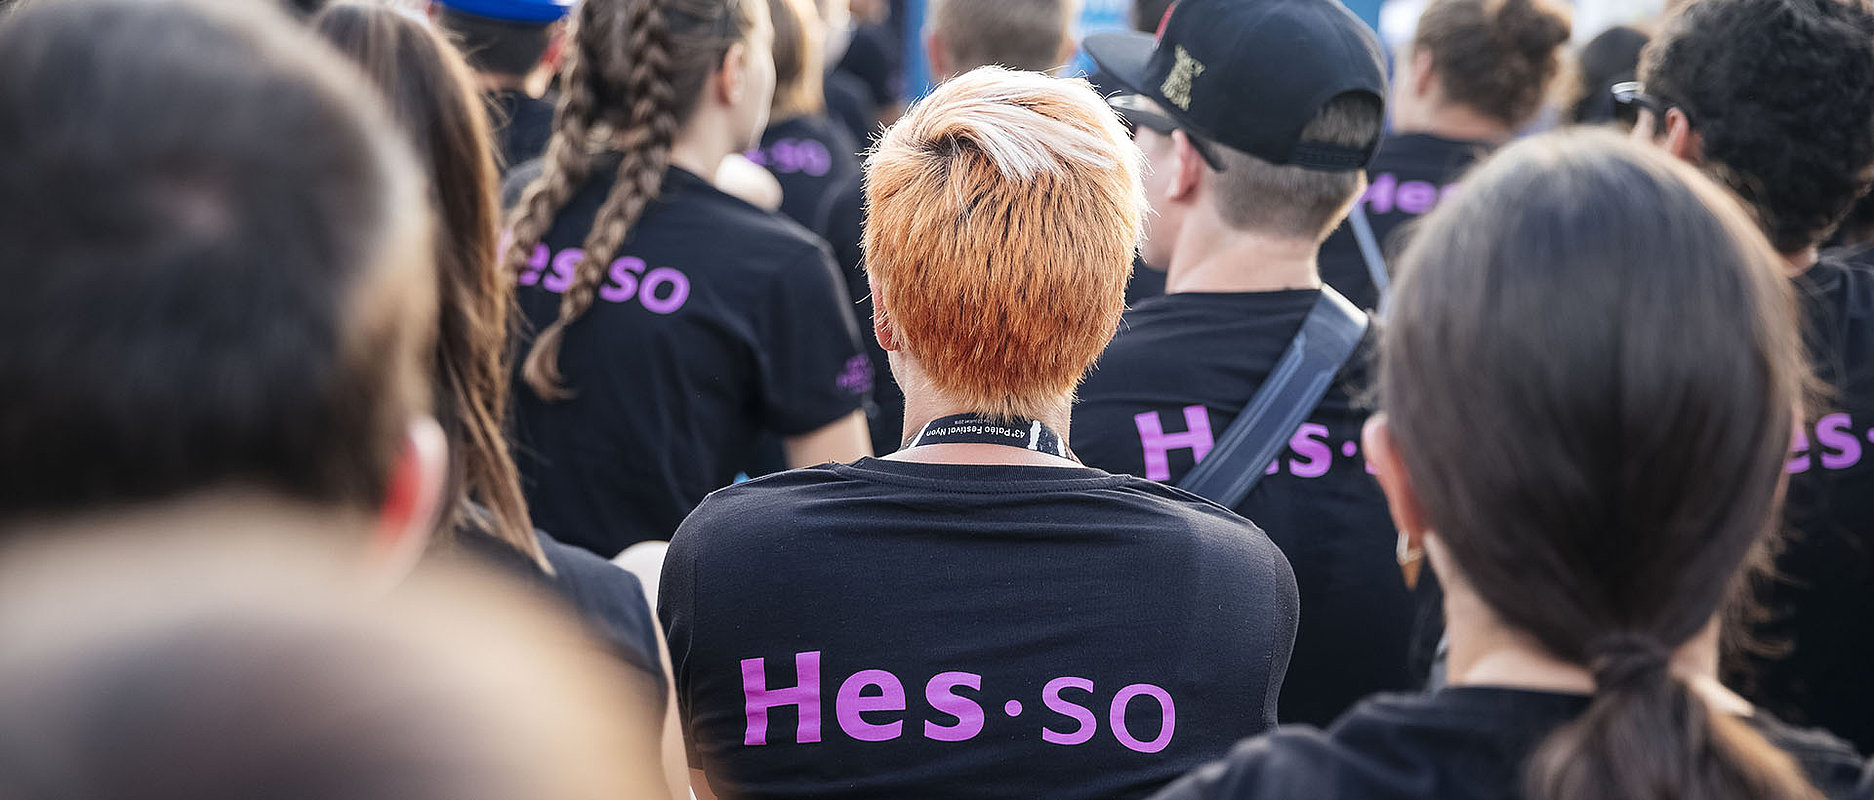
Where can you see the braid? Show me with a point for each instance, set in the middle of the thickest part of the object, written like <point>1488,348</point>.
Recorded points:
<point>564,167</point>
<point>645,140</point>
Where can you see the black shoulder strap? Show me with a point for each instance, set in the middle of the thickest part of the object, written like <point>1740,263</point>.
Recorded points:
<point>1300,379</point>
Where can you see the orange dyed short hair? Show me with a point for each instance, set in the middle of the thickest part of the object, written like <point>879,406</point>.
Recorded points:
<point>1004,210</point>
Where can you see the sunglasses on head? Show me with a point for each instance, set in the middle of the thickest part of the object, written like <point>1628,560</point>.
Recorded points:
<point>1135,111</point>
<point>1630,97</point>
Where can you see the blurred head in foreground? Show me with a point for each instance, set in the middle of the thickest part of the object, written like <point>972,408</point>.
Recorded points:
<point>217,254</point>
<point>1005,208</point>
<point>233,676</point>
<point>1590,454</point>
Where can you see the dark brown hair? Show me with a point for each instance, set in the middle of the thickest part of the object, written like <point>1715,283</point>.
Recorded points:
<point>1780,93</point>
<point>637,70</point>
<point>1499,57</point>
<point>215,251</point>
<point>432,95</point>
<point>1592,373</point>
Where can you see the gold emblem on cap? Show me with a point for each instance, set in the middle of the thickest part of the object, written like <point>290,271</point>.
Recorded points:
<point>1177,86</point>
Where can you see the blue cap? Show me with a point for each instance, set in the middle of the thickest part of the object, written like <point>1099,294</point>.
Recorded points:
<point>540,11</point>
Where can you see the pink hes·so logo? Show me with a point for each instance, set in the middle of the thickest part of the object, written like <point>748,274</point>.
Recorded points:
<point>661,291</point>
<point>871,706</point>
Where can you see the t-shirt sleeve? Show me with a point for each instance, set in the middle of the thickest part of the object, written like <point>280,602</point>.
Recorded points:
<point>811,366</point>
<point>1294,764</point>
<point>612,600</point>
<point>676,609</point>
<point>1223,779</point>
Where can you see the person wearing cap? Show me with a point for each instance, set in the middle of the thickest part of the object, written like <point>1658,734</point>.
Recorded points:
<point>509,43</point>
<point>1592,457</point>
<point>978,614</point>
<point>1257,119</point>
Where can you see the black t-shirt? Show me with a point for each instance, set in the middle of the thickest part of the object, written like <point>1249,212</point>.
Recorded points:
<point>874,57</point>
<point>523,125</point>
<point>716,321</point>
<point>1467,743</point>
<point>1409,175</point>
<point>842,224</point>
<point>811,158</point>
<point>1180,370</point>
<point>1823,605</point>
<point>849,103</point>
<point>1145,283</point>
<point>968,631</point>
<point>609,599</point>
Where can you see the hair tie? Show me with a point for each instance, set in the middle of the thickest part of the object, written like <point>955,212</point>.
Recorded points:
<point>1628,660</point>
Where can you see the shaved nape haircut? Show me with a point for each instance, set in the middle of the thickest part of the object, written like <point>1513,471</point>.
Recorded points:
<point>1296,202</point>
<point>1018,34</point>
<point>1005,208</point>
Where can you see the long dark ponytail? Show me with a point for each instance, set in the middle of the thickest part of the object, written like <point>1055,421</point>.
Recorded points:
<point>1592,372</point>
<point>636,71</point>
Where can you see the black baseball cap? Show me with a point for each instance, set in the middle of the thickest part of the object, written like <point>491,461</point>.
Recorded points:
<point>1251,74</point>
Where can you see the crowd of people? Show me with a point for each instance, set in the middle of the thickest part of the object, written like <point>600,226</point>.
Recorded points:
<point>578,399</point>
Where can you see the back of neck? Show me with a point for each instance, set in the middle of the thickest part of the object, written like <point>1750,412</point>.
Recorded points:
<point>1217,259</point>
<point>923,405</point>
<point>1457,122</point>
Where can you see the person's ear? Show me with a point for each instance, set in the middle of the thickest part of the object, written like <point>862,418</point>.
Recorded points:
<point>1187,165</point>
<point>1382,459</point>
<point>881,326</point>
<point>556,45</point>
<point>938,57</point>
<point>731,80</point>
<point>1682,141</point>
<point>412,502</point>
